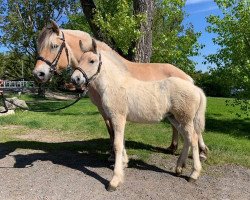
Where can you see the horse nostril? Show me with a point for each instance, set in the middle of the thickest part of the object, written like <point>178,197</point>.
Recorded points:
<point>78,79</point>
<point>73,81</point>
<point>41,74</point>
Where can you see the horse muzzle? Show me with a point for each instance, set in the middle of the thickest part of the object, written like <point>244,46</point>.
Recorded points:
<point>42,75</point>
<point>77,79</point>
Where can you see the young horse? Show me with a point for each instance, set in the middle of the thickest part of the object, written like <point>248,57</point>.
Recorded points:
<point>58,49</point>
<point>126,98</point>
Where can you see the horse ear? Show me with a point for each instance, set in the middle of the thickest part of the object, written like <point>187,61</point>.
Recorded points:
<point>81,46</point>
<point>94,48</point>
<point>53,25</point>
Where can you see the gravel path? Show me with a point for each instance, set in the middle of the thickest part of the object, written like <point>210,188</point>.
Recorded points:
<point>34,174</point>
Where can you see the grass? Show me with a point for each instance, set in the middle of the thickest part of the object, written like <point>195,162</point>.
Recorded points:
<point>227,135</point>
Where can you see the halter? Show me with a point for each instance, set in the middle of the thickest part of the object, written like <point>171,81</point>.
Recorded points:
<point>53,64</point>
<point>88,80</point>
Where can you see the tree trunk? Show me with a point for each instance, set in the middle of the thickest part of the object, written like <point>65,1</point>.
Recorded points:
<point>144,45</point>
<point>88,7</point>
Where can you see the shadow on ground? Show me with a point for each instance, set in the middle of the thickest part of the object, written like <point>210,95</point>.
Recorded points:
<point>76,155</point>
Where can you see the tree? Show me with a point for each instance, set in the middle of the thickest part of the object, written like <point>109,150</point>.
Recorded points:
<point>12,66</point>
<point>143,49</point>
<point>172,41</point>
<point>117,25</point>
<point>233,32</point>
<point>126,23</point>
<point>233,57</point>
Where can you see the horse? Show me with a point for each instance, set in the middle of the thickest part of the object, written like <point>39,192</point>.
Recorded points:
<point>125,98</point>
<point>59,48</point>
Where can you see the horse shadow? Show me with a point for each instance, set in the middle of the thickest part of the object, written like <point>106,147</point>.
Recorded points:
<point>77,155</point>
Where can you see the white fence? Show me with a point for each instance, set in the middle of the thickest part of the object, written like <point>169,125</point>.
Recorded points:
<point>14,85</point>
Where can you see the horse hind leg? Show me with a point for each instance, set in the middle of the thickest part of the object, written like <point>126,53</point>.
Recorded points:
<point>203,149</point>
<point>196,159</point>
<point>174,144</point>
<point>181,162</point>
<point>190,139</point>
<point>111,136</point>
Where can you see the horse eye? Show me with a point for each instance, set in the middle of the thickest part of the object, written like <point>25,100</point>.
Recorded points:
<point>91,61</point>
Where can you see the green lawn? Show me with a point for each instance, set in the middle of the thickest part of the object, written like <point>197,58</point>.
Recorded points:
<point>226,135</point>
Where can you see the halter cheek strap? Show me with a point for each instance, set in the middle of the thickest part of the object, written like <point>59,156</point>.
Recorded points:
<point>54,63</point>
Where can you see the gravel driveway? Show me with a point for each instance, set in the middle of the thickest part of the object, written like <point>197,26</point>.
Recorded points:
<point>41,164</point>
<point>66,175</point>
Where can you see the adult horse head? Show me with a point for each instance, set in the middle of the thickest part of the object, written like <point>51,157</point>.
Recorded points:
<point>55,53</point>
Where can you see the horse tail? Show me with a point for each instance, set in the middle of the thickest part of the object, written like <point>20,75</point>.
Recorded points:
<point>199,119</point>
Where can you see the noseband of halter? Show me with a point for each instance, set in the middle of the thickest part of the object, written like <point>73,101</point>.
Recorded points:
<point>88,80</point>
<point>53,64</point>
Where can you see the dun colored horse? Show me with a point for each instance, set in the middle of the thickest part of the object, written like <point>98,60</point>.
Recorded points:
<point>125,98</point>
<point>59,48</point>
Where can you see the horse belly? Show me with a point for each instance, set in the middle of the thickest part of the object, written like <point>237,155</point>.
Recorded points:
<point>146,110</point>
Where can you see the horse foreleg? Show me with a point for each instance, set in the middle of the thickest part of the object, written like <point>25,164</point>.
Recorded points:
<point>118,124</point>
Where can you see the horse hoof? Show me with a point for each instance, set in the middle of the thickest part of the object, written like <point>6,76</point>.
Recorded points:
<point>178,171</point>
<point>191,180</point>
<point>171,150</point>
<point>111,188</point>
<point>203,157</point>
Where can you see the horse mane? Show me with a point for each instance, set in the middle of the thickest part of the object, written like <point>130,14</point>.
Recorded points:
<point>114,61</point>
<point>43,38</point>
<point>82,34</point>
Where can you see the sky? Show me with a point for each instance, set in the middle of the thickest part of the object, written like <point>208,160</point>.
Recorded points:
<point>197,10</point>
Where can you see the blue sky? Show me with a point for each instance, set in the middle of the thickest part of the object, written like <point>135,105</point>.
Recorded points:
<point>198,10</point>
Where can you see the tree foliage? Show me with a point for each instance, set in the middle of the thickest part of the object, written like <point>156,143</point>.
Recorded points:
<point>172,41</point>
<point>21,21</point>
<point>118,22</point>
<point>233,37</point>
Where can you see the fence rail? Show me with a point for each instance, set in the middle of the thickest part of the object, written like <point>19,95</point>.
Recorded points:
<point>11,85</point>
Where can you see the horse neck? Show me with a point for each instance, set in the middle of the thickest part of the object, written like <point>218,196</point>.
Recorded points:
<point>73,37</point>
<point>112,73</point>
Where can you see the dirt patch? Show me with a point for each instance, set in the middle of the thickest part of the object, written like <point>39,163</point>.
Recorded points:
<point>37,174</point>
<point>44,136</point>
<point>11,127</point>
